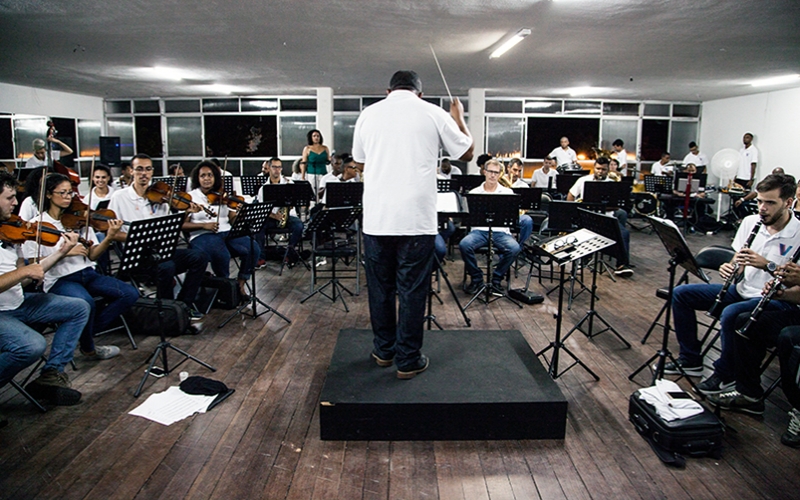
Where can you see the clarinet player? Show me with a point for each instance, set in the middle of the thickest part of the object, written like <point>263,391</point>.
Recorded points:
<point>773,244</point>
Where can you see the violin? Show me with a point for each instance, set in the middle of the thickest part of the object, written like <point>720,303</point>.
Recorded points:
<point>161,192</point>
<point>74,217</point>
<point>17,231</point>
<point>232,201</point>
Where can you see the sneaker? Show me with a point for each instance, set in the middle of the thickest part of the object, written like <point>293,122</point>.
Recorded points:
<point>715,385</point>
<point>195,315</point>
<point>261,264</point>
<point>101,352</point>
<point>624,271</point>
<point>792,435</point>
<point>53,387</point>
<point>383,363</point>
<point>497,289</point>
<point>690,370</point>
<point>473,287</point>
<point>411,371</point>
<point>321,261</point>
<point>736,401</point>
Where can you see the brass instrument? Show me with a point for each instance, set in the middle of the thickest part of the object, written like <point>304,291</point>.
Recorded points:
<point>614,176</point>
<point>777,284</point>
<point>716,309</point>
<point>284,213</point>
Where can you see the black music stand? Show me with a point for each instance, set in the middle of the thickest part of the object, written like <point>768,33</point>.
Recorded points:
<point>563,250</point>
<point>462,210</point>
<point>492,210</point>
<point>252,183</point>
<point>658,184</point>
<point>248,222</point>
<point>445,185</point>
<point>680,255</point>
<point>150,242</point>
<point>287,195</point>
<point>468,182</point>
<point>564,183</point>
<point>227,184</point>
<point>344,194</point>
<point>608,227</point>
<point>171,180</point>
<point>332,219</point>
<point>606,196</point>
<point>563,217</point>
<point>530,197</point>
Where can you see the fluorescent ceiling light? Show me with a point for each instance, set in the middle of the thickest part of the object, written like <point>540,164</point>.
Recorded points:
<point>518,36</point>
<point>218,88</point>
<point>581,91</point>
<point>777,80</point>
<point>163,73</point>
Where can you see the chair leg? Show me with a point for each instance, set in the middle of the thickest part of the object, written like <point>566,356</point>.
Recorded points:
<point>30,398</point>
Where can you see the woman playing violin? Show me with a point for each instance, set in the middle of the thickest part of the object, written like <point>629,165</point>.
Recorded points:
<point>75,275</point>
<point>209,234</point>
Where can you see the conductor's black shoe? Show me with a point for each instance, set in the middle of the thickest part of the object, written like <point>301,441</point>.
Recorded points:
<point>473,287</point>
<point>411,371</point>
<point>382,362</point>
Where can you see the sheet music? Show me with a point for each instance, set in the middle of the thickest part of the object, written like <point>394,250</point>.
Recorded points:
<point>447,202</point>
<point>171,406</point>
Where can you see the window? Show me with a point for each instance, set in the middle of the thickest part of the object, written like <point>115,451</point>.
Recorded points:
<point>654,139</point>
<point>498,106</point>
<point>89,138</point>
<point>682,134</point>
<point>182,106</point>
<point>544,135</point>
<point>241,135</point>
<point>344,127</point>
<point>149,106</point>
<point>148,136</point>
<point>122,127</point>
<point>504,136</point>
<point>294,131</point>
<point>184,136</point>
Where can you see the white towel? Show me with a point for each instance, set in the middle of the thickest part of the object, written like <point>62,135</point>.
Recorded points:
<point>670,409</point>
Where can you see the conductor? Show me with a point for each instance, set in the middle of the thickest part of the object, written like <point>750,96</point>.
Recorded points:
<point>397,140</point>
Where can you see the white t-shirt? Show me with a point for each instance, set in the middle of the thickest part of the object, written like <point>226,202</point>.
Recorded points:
<point>777,248</point>
<point>564,156</point>
<point>746,157</point>
<point>577,189</point>
<point>202,217</point>
<point>34,162</point>
<point>28,210</point>
<point>131,207</point>
<point>541,179</point>
<point>327,177</point>
<point>398,139</point>
<point>500,190</point>
<point>13,297</point>
<point>333,181</point>
<point>260,195</point>
<point>699,160</point>
<point>519,183</point>
<point>659,169</point>
<point>96,198</point>
<point>453,171</point>
<point>67,265</point>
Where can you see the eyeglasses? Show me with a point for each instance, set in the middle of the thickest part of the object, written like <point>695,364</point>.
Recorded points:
<point>493,172</point>
<point>563,242</point>
<point>63,194</point>
<point>143,169</point>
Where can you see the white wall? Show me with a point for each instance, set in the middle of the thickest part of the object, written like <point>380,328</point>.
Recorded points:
<point>42,102</point>
<point>774,119</point>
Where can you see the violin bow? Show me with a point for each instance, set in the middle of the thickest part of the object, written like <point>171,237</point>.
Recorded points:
<point>89,201</point>
<point>222,189</point>
<point>41,214</point>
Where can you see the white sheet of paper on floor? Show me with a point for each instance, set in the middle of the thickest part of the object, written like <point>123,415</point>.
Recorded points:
<point>171,406</point>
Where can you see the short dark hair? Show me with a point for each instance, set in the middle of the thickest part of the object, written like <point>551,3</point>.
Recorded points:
<point>549,158</point>
<point>482,159</point>
<point>614,160</point>
<point>125,165</point>
<point>52,181</point>
<point>102,168</point>
<point>141,156</point>
<point>274,158</point>
<point>665,153</point>
<point>214,169</point>
<point>618,142</point>
<point>405,80</point>
<point>784,182</point>
<point>173,168</point>
<point>603,160</point>
<point>692,145</point>
<point>7,181</point>
<point>515,161</point>
<point>310,133</point>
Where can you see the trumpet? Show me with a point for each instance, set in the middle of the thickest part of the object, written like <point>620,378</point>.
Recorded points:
<point>716,309</point>
<point>777,284</point>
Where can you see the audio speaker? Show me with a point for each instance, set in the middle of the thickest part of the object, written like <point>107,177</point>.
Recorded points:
<point>110,151</point>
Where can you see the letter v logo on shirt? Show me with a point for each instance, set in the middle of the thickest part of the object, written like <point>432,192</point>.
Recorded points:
<point>785,250</point>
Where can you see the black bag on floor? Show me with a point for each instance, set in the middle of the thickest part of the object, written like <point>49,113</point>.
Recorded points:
<point>228,295</point>
<point>697,436</point>
<point>142,317</point>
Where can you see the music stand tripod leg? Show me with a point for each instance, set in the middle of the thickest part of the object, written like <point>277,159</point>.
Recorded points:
<point>444,275</point>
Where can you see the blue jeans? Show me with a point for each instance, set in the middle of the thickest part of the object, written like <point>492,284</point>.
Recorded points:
<point>700,297</point>
<point>525,228</point>
<point>184,260</point>
<point>293,224</point>
<point>219,250</point>
<point>622,218</point>
<point>398,267</point>
<point>87,284</point>
<point>442,237</point>
<point>21,345</point>
<point>507,247</point>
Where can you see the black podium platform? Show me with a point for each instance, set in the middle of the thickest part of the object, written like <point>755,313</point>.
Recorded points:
<point>480,385</point>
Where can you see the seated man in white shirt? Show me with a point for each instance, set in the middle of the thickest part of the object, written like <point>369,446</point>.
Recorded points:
<point>576,193</point>
<point>699,159</point>
<point>564,155</point>
<point>506,245</point>
<point>661,167</point>
<point>545,177</point>
<point>337,167</point>
<point>447,170</point>
<point>293,223</point>
<point>515,171</point>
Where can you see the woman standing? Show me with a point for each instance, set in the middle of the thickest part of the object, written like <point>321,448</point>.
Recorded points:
<point>75,275</point>
<point>101,183</point>
<point>210,234</point>
<point>316,157</point>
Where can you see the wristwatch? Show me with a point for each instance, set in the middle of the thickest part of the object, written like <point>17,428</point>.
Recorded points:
<point>771,267</point>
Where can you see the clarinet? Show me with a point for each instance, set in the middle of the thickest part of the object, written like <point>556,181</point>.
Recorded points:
<point>716,309</point>
<point>777,284</point>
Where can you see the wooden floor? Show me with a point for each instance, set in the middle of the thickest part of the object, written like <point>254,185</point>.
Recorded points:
<point>263,442</point>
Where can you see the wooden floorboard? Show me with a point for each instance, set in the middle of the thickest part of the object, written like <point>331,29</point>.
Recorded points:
<point>263,442</point>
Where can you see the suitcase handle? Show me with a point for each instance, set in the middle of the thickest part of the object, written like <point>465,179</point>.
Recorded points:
<point>640,423</point>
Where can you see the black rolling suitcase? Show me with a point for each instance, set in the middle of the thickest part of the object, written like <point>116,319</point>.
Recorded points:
<point>142,317</point>
<point>228,295</point>
<point>696,436</point>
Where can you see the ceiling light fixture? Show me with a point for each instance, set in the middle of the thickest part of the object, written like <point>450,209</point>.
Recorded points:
<point>777,80</point>
<point>518,36</point>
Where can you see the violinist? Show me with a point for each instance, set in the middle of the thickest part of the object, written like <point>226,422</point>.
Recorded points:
<point>125,178</point>
<point>101,185</point>
<point>131,204</point>
<point>293,223</point>
<point>209,233</point>
<point>21,345</point>
<point>75,274</point>
<point>39,158</point>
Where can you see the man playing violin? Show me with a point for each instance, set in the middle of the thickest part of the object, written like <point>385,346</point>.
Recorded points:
<point>131,204</point>
<point>21,345</point>
<point>772,245</point>
<point>75,274</point>
<point>209,232</point>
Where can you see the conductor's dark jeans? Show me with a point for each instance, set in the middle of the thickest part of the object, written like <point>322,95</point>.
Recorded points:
<point>398,266</point>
